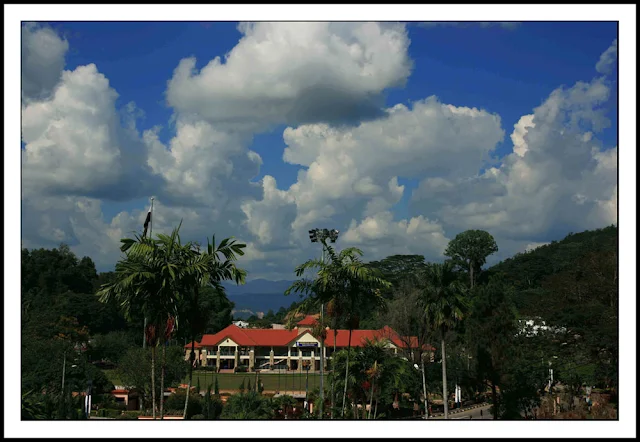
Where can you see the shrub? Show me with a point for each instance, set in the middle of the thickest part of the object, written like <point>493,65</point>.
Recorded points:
<point>133,413</point>
<point>212,408</point>
<point>176,402</point>
<point>197,417</point>
<point>127,416</point>
<point>208,368</point>
<point>109,412</point>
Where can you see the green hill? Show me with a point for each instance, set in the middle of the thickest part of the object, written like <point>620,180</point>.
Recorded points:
<point>533,273</point>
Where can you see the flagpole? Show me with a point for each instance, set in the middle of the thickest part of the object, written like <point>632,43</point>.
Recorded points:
<point>144,334</point>
<point>151,220</point>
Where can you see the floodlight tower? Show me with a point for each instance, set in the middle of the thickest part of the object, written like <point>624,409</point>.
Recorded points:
<point>321,235</point>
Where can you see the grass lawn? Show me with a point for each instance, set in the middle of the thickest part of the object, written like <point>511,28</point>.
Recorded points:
<point>272,381</point>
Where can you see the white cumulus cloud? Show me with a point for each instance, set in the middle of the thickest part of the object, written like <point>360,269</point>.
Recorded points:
<point>43,53</point>
<point>295,73</point>
<point>558,177</point>
<point>608,59</point>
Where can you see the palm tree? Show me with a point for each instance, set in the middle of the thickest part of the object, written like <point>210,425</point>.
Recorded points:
<point>218,265</point>
<point>150,279</point>
<point>345,284</point>
<point>141,284</point>
<point>445,306</point>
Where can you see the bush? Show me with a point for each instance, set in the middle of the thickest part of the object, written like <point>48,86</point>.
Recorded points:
<point>212,409</point>
<point>176,402</point>
<point>127,416</point>
<point>109,412</point>
<point>133,413</point>
<point>197,417</point>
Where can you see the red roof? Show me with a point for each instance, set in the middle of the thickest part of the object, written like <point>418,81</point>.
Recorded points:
<point>271,337</point>
<point>249,337</point>
<point>309,320</point>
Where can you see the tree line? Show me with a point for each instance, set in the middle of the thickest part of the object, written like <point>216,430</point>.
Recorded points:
<point>472,316</point>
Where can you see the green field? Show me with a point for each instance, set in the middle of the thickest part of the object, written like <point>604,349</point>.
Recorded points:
<point>272,382</point>
<point>231,381</point>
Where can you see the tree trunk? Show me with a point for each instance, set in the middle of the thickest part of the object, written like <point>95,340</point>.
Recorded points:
<point>373,381</point>
<point>321,401</point>
<point>494,398</point>
<point>164,364</point>
<point>64,368</point>
<point>471,273</point>
<point>424,388</point>
<point>375,412</point>
<point>346,375</point>
<point>192,359</point>
<point>62,406</point>
<point>333,371</point>
<point>153,381</point>
<point>192,356</point>
<point>445,396</point>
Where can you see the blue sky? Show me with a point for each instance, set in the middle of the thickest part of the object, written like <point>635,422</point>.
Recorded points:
<point>505,72</point>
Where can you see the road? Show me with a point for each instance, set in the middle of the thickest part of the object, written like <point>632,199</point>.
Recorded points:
<point>471,414</point>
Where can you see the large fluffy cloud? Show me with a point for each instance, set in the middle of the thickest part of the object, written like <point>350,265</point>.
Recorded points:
<point>352,173</point>
<point>558,176</point>
<point>383,236</point>
<point>75,143</point>
<point>43,54</point>
<point>203,166</point>
<point>295,73</point>
<point>80,150</point>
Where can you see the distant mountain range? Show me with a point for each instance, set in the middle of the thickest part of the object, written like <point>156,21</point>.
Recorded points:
<point>259,295</point>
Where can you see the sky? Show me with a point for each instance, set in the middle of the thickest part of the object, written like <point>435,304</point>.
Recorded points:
<point>399,135</point>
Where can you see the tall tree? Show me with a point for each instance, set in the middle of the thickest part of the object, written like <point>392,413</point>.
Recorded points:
<point>149,279</point>
<point>491,329</point>
<point>469,250</point>
<point>219,264</point>
<point>446,305</point>
<point>346,284</point>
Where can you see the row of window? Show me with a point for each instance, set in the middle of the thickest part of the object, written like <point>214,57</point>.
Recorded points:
<point>265,351</point>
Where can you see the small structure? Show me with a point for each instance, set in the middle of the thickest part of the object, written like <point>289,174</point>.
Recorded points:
<point>129,398</point>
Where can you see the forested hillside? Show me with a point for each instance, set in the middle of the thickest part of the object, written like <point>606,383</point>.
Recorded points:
<point>571,284</point>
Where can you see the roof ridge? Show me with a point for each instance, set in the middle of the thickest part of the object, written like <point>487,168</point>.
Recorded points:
<point>246,335</point>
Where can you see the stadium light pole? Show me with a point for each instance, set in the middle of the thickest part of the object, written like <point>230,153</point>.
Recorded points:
<point>321,235</point>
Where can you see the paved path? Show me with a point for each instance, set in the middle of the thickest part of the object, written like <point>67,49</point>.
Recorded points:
<point>470,413</point>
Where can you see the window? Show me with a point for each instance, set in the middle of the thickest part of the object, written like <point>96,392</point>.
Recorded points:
<point>294,353</point>
<point>280,351</point>
<point>263,351</point>
<point>227,351</point>
<point>306,353</point>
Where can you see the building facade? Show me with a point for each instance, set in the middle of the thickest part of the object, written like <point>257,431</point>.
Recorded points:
<point>273,350</point>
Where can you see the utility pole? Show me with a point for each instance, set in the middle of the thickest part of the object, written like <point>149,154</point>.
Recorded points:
<point>64,368</point>
<point>321,404</point>
<point>306,394</point>
<point>424,388</point>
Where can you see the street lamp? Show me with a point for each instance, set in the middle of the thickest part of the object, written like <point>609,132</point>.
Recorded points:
<point>321,235</point>
<point>424,386</point>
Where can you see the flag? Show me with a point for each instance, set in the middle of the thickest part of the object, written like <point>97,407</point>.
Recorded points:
<point>147,220</point>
